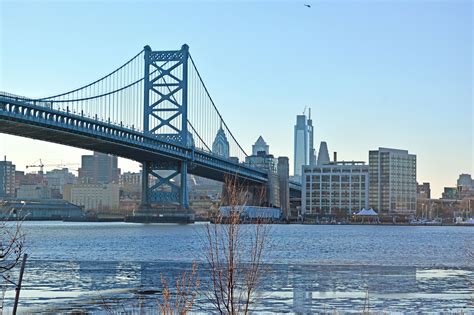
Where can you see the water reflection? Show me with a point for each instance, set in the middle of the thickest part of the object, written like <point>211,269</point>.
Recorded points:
<point>60,286</point>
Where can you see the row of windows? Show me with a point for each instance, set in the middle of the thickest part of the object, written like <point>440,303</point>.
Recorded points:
<point>335,170</point>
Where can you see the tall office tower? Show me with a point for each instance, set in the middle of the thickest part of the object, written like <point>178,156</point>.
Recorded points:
<point>465,182</point>
<point>301,145</point>
<point>323,155</point>
<point>312,151</point>
<point>261,156</point>
<point>465,186</point>
<point>99,168</point>
<point>7,178</point>
<point>392,181</point>
<point>262,159</point>
<point>220,146</point>
<point>304,152</point>
<point>301,149</point>
<point>260,147</point>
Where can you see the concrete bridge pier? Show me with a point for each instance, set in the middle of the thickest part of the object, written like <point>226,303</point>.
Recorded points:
<point>243,192</point>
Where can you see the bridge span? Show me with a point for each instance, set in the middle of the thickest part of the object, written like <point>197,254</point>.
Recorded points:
<point>155,109</point>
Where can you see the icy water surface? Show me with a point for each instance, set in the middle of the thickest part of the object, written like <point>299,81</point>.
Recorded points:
<point>310,268</point>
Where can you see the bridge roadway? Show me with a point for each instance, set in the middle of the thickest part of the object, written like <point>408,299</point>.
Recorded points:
<point>37,120</point>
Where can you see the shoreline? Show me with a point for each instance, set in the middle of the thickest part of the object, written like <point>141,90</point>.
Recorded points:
<point>123,220</point>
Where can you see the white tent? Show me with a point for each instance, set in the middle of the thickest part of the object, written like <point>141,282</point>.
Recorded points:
<point>371,215</point>
<point>365,212</point>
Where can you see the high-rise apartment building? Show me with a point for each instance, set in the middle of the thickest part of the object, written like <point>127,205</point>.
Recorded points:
<point>99,168</point>
<point>392,188</point>
<point>304,152</point>
<point>336,188</point>
<point>7,178</point>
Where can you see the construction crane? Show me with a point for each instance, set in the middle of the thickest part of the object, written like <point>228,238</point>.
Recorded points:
<point>41,165</point>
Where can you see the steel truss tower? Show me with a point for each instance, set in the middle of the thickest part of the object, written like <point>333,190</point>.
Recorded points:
<point>165,112</point>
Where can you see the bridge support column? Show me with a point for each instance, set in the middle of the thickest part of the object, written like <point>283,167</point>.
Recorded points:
<point>164,184</point>
<point>236,192</point>
<point>145,202</point>
<point>184,196</point>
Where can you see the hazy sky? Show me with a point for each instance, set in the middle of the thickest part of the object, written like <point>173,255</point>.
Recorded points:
<point>376,73</point>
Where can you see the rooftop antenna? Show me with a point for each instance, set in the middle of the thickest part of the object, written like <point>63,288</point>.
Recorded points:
<point>310,113</point>
<point>304,110</point>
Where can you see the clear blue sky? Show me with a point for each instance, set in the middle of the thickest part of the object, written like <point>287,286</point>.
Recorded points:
<point>376,73</point>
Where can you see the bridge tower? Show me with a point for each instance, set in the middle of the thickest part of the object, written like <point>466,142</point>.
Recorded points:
<point>165,112</point>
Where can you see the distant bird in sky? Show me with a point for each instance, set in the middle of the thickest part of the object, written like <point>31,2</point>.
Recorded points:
<point>308,5</point>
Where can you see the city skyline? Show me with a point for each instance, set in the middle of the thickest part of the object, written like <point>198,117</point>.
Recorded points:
<point>429,124</point>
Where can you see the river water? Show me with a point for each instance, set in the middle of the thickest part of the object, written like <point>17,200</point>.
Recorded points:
<point>309,268</point>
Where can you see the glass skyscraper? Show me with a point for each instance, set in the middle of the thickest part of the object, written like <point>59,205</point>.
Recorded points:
<point>304,153</point>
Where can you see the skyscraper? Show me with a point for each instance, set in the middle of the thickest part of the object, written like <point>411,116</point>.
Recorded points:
<point>304,153</point>
<point>392,181</point>
<point>261,156</point>
<point>99,168</point>
<point>260,146</point>
<point>220,146</point>
<point>312,151</point>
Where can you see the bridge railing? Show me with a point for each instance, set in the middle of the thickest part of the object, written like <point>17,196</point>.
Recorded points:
<point>26,109</point>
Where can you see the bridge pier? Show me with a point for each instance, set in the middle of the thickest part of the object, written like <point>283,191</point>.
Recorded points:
<point>160,185</point>
<point>183,192</point>
<point>243,192</point>
<point>164,194</point>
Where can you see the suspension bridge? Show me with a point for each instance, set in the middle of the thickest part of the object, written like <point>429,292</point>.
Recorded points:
<point>154,109</point>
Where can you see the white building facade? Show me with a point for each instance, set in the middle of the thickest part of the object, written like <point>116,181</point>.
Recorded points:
<point>337,188</point>
<point>93,196</point>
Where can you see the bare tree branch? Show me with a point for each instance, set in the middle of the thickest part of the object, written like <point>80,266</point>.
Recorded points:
<point>234,252</point>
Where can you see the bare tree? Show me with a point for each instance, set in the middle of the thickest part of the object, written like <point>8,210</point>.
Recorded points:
<point>12,245</point>
<point>12,248</point>
<point>182,300</point>
<point>234,253</point>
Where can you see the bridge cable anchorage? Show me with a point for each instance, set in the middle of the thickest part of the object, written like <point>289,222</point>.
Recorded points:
<point>214,105</point>
<point>92,83</point>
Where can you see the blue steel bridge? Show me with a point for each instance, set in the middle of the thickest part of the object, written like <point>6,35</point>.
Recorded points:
<point>154,109</point>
